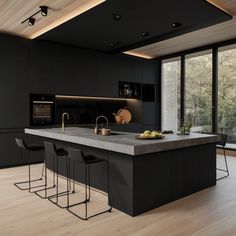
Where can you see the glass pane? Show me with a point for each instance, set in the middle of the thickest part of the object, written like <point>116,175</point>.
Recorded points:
<point>227,93</point>
<point>198,91</point>
<point>171,95</point>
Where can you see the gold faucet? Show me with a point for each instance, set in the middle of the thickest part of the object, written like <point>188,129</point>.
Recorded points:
<point>96,127</point>
<point>63,122</point>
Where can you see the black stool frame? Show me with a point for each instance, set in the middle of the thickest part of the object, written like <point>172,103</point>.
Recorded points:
<point>50,149</point>
<point>87,163</point>
<point>21,144</point>
<point>221,145</point>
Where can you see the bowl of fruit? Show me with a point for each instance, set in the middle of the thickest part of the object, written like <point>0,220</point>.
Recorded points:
<point>147,134</point>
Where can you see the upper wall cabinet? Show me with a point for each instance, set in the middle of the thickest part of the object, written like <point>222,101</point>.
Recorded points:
<point>130,69</point>
<point>14,80</point>
<point>59,69</point>
<point>150,72</point>
<point>107,75</point>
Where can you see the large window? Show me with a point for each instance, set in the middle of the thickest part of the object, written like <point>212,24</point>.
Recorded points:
<point>227,92</point>
<point>171,94</point>
<point>201,91</point>
<point>198,90</point>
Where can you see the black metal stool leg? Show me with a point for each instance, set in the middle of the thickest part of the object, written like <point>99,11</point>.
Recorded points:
<point>29,181</point>
<point>59,194</point>
<point>87,196</point>
<point>226,166</point>
<point>46,180</point>
<point>73,177</point>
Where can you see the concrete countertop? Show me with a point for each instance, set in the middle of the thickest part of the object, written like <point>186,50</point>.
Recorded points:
<point>125,143</point>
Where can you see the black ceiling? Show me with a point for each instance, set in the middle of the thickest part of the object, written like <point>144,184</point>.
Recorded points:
<point>97,28</point>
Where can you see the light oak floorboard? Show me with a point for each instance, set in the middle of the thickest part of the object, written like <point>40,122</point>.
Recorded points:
<point>209,212</point>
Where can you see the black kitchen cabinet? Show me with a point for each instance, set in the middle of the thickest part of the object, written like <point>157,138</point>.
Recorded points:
<point>107,76</point>
<point>10,154</point>
<point>149,72</point>
<point>59,69</point>
<point>14,100</point>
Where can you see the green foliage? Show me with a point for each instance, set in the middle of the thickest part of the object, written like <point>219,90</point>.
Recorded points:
<point>198,95</point>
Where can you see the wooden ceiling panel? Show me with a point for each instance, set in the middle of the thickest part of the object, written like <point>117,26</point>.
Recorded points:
<point>13,12</point>
<point>213,34</point>
<point>227,5</point>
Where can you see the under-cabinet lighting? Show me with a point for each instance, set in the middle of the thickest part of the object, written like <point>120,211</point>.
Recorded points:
<point>136,54</point>
<point>95,98</point>
<point>77,11</point>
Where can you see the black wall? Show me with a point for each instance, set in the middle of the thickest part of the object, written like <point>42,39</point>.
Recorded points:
<point>44,67</point>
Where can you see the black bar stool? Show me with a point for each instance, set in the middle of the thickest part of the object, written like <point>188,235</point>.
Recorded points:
<point>221,145</point>
<point>51,150</point>
<point>30,148</point>
<point>77,156</point>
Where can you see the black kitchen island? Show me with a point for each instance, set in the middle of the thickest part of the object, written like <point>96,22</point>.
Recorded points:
<point>144,174</point>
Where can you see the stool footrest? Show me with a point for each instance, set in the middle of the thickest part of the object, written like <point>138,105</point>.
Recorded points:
<point>45,197</point>
<point>27,182</point>
<point>86,218</point>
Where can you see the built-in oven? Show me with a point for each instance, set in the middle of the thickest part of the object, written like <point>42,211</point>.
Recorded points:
<point>42,109</point>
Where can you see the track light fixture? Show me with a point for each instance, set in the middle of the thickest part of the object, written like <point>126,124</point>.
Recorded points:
<point>44,10</point>
<point>31,20</point>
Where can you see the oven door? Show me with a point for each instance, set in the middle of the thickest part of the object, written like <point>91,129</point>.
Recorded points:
<point>42,112</point>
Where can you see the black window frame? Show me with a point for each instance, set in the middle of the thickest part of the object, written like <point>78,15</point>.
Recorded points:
<point>215,49</point>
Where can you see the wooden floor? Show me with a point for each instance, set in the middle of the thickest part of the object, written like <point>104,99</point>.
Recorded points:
<point>211,212</point>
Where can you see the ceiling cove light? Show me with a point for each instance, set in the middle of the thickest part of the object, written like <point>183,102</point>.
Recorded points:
<point>136,54</point>
<point>79,7</point>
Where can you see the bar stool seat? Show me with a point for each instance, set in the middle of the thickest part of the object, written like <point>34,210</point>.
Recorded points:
<point>92,159</point>
<point>77,156</point>
<point>35,147</point>
<point>30,148</point>
<point>56,153</point>
<point>61,152</point>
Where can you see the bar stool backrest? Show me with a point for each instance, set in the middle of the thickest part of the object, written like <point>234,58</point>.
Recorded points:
<point>20,143</point>
<point>50,148</point>
<point>76,155</point>
<point>223,140</point>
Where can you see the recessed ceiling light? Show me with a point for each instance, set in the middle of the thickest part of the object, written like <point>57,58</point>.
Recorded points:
<point>145,34</point>
<point>117,16</point>
<point>176,25</point>
<point>31,21</point>
<point>112,44</point>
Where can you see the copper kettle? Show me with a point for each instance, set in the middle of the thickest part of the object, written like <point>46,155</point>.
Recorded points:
<point>118,118</point>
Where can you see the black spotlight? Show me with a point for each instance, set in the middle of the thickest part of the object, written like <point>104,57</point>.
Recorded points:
<point>44,10</point>
<point>176,25</point>
<point>117,16</point>
<point>145,34</point>
<point>31,21</point>
<point>112,45</point>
